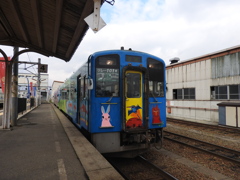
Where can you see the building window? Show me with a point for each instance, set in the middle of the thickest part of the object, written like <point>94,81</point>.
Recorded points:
<point>225,92</point>
<point>186,93</point>
<point>221,92</point>
<point>234,91</point>
<point>189,93</point>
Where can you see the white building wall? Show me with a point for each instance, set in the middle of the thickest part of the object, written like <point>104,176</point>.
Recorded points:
<point>55,86</point>
<point>195,75</point>
<point>225,80</point>
<point>202,74</point>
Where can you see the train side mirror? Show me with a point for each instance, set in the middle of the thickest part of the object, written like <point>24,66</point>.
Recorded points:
<point>90,84</point>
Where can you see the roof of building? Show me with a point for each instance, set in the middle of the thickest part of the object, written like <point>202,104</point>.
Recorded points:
<point>223,52</point>
<point>52,28</point>
<point>57,83</point>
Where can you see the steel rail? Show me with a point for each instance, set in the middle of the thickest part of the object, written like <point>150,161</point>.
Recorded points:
<point>165,174</point>
<point>211,126</point>
<point>216,150</point>
<point>144,163</point>
<point>124,175</point>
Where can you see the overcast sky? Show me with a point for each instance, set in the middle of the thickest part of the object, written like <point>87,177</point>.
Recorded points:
<point>165,28</point>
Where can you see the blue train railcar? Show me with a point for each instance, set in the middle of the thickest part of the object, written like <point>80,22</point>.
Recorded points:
<point>118,99</point>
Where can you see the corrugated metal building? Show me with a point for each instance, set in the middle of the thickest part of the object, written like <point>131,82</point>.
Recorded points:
<point>196,86</point>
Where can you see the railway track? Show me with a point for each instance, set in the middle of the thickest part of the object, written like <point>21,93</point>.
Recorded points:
<point>226,129</point>
<point>216,150</point>
<point>139,168</point>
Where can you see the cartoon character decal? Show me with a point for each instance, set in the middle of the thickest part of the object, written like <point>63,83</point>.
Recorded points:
<point>156,115</point>
<point>106,117</point>
<point>83,114</point>
<point>71,107</point>
<point>135,119</point>
<point>83,109</point>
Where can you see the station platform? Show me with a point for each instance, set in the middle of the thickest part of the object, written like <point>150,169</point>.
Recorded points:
<point>46,145</point>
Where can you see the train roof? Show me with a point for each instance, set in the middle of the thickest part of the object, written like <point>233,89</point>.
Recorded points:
<point>126,51</point>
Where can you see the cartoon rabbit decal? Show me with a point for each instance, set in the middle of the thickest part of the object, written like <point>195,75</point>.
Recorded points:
<point>106,117</point>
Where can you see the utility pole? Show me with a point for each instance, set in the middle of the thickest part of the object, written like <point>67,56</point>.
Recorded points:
<point>15,91</point>
<point>39,81</point>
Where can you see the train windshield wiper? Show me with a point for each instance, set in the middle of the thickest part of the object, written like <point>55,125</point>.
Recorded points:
<point>108,101</point>
<point>154,97</point>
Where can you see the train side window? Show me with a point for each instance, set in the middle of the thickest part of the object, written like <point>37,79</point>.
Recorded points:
<point>107,76</point>
<point>64,93</point>
<point>72,90</point>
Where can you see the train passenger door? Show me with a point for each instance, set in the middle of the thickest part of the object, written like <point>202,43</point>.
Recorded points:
<point>82,101</point>
<point>133,93</point>
<point>79,96</point>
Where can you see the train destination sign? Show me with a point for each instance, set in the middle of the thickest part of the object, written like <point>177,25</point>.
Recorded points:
<point>107,74</point>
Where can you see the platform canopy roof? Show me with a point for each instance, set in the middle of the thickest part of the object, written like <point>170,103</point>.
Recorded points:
<point>49,27</point>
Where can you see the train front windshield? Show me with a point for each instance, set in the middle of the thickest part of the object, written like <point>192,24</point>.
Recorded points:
<point>156,78</point>
<point>107,76</point>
